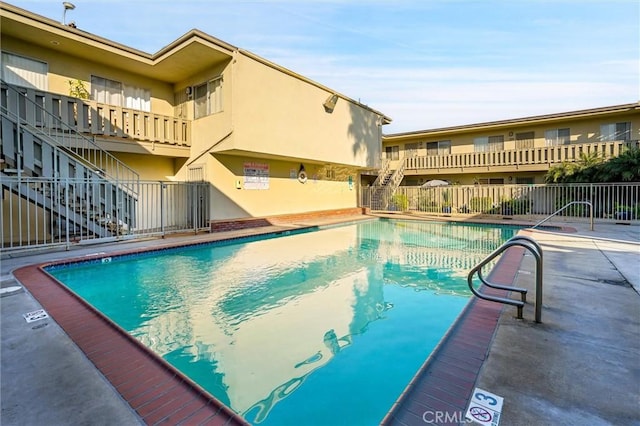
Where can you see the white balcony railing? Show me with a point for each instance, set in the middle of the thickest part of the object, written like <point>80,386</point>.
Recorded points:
<point>96,119</point>
<point>542,156</point>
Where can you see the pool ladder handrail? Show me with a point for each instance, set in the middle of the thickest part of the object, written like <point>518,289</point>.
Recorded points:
<point>532,246</point>
<point>565,207</point>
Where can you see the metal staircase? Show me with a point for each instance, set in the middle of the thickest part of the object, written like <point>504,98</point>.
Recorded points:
<point>84,189</point>
<point>386,184</point>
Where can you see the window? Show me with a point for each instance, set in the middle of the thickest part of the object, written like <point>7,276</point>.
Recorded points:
<point>488,144</point>
<point>208,98</point>
<point>439,148</point>
<point>491,181</point>
<point>137,98</point>
<point>24,72</point>
<point>555,137</point>
<point>524,181</point>
<point>106,91</point>
<point>615,132</point>
<point>392,152</point>
<point>525,140</point>
<point>115,93</point>
<point>411,149</point>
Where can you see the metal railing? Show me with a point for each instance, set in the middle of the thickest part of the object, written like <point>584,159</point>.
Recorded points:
<point>31,115</point>
<point>39,212</point>
<point>564,208</point>
<point>535,249</point>
<point>382,173</point>
<point>612,202</point>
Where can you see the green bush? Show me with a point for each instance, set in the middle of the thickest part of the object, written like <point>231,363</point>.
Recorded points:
<point>481,204</point>
<point>510,207</point>
<point>426,204</point>
<point>400,202</point>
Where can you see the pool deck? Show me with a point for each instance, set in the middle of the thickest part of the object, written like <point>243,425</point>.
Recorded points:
<point>581,365</point>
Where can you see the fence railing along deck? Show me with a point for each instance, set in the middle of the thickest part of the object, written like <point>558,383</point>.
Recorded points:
<point>611,201</point>
<point>39,212</point>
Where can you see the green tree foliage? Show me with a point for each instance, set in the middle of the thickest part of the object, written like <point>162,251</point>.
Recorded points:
<point>592,168</point>
<point>77,89</point>
<point>623,168</point>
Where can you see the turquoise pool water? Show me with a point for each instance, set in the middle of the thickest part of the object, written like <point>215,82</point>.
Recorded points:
<point>307,328</point>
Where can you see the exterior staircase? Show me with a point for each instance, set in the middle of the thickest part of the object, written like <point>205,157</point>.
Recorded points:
<point>83,189</point>
<point>386,184</point>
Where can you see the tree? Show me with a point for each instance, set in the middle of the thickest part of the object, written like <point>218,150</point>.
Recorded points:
<point>623,168</point>
<point>583,170</point>
<point>77,89</point>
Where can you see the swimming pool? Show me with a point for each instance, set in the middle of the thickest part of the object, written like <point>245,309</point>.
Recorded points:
<point>304,328</point>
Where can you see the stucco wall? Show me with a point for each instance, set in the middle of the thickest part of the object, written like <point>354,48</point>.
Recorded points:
<point>278,114</point>
<point>63,68</point>
<point>285,193</point>
<point>583,130</point>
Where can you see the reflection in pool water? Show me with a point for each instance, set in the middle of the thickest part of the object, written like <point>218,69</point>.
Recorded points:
<point>305,328</point>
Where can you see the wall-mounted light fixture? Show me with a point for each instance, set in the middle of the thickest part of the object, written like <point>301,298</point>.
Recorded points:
<point>67,6</point>
<point>330,103</point>
<point>302,174</point>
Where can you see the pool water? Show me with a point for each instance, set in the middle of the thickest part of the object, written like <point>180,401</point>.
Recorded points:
<point>314,328</point>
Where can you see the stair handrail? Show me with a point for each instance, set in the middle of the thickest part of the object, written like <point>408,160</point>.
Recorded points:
<point>54,145</point>
<point>133,175</point>
<point>532,246</point>
<point>565,207</point>
<point>382,172</point>
<point>397,176</point>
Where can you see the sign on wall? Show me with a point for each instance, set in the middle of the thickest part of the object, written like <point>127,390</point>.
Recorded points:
<point>256,176</point>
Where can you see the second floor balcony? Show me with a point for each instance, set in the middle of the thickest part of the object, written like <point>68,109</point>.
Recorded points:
<point>529,159</point>
<point>95,119</point>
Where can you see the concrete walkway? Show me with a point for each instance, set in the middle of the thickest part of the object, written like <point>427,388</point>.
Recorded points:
<point>580,366</point>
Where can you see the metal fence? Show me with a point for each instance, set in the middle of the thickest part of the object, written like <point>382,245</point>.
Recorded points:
<point>38,212</point>
<point>611,201</point>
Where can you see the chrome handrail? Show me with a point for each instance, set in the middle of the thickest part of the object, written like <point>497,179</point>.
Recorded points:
<point>535,249</point>
<point>563,208</point>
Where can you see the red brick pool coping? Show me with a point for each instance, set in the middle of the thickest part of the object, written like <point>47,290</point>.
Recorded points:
<point>161,395</point>
<point>443,385</point>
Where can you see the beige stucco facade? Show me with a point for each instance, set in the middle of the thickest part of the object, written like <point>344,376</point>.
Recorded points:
<point>265,117</point>
<point>525,149</point>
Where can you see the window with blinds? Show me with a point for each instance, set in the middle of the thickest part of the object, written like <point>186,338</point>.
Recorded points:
<point>525,140</point>
<point>25,72</point>
<point>439,148</point>
<point>208,98</point>
<point>615,132</point>
<point>112,92</point>
<point>392,152</point>
<point>411,149</point>
<point>555,137</point>
<point>488,144</point>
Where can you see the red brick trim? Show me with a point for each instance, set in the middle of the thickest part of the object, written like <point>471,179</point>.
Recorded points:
<point>156,390</point>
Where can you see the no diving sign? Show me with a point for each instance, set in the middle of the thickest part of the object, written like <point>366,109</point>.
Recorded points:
<point>485,408</point>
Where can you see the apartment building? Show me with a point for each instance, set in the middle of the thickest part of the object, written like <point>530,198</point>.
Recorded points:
<point>517,151</point>
<point>268,141</point>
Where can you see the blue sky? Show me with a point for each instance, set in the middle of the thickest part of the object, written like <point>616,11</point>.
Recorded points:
<point>424,63</point>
